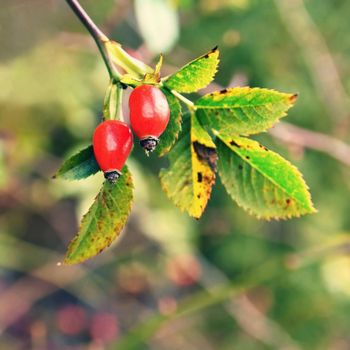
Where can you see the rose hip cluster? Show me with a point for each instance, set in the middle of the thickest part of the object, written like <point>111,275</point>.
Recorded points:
<point>113,140</point>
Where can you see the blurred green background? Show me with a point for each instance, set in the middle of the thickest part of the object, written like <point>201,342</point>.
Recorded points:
<point>227,281</point>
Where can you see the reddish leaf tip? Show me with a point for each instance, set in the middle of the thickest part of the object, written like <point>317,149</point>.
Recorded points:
<point>293,97</point>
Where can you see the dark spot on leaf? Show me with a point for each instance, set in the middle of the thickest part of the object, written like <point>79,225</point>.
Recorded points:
<point>234,143</point>
<point>289,202</point>
<point>199,195</point>
<point>266,149</point>
<point>207,154</point>
<point>224,91</point>
<point>240,167</point>
<point>247,157</point>
<point>186,183</point>
<point>206,56</point>
<point>199,177</point>
<point>207,179</point>
<point>214,48</point>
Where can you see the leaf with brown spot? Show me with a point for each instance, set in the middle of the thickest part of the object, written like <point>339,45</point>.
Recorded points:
<point>207,154</point>
<point>104,221</point>
<point>263,183</point>
<point>243,110</point>
<point>189,179</point>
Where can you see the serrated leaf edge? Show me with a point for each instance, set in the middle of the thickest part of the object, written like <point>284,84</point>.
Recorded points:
<point>290,97</point>
<point>89,212</point>
<point>268,218</point>
<point>212,51</point>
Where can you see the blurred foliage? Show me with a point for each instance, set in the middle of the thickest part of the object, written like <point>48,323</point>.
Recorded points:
<point>51,96</point>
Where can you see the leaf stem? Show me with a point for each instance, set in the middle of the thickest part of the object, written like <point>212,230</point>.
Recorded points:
<point>183,99</point>
<point>99,37</point>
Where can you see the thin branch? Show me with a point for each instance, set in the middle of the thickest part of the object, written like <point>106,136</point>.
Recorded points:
<point>99,37</point>
<point>318,57</point>
<point>295,135</point>
<point>96,33</point>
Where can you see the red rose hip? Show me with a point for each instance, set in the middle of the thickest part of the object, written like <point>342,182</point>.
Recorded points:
<point>149,115</point>
<point>112,142</point>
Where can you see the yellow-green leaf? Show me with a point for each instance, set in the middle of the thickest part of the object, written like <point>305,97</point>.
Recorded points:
<point>196,74</point>
<point>243,110</point>
<point>189,179</point>
<point>261,181</point>
<point>104,221</point>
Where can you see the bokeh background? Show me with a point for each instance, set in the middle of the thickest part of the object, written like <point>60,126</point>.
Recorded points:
<point>227,281</point>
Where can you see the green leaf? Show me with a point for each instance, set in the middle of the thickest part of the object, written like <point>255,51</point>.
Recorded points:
<point>261,181</point>
<point>189,179</point>
<point>243,110</point>
<point>196,74</point>
<point>80,166</point>
<point>104,221</point>
<point>171,133</point>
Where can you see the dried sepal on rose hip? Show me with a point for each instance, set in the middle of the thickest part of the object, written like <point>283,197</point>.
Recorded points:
<point>149,115</point>
<point>112,143</point>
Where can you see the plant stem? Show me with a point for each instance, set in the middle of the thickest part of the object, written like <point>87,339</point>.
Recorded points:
<point>99,37</point>
<point>185,100</point>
